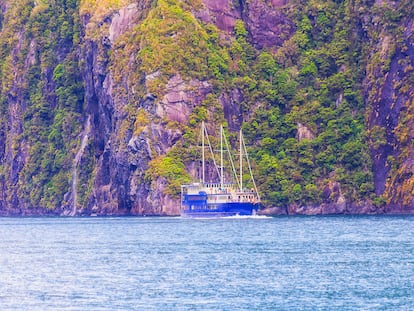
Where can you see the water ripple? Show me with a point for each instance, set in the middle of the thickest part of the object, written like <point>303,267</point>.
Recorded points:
<point>286,263</point>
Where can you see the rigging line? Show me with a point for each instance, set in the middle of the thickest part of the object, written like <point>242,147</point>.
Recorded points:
<point>231,161</point>
<point>250,169</point>
<point>211,151</point>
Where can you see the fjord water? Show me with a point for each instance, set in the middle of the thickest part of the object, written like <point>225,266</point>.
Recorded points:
<point>287,263</point>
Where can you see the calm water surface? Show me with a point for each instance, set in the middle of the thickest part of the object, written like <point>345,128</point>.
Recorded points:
<point>309,263</point>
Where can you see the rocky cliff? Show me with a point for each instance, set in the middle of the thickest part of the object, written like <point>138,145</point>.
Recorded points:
<point>101,101</point>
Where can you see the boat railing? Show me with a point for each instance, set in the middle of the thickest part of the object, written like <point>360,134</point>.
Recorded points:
<point>216,190</point>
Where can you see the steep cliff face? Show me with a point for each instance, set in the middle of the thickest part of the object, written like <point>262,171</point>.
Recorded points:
<point>137,123</point>
<point>389,92</point>
<point>101,102</point>
<point>41,102</point>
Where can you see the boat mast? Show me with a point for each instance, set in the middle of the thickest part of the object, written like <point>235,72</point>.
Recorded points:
<point>221,157</point>
<point>241,161</point>
<point>203,153</point>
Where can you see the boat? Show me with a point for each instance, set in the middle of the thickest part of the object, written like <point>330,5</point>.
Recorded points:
<point>220,198</point>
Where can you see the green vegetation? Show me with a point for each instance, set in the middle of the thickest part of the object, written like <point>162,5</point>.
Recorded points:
<point>324,95</point>
<point>172,170</point>
<point>318,84</point>
<point>314,79</point>
<point>52,89</point>
<point>173,41</point>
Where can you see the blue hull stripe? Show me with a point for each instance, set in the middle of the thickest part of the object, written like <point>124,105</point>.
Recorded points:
<point>204,209</point>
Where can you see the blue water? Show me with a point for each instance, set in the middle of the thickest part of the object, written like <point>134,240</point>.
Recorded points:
<point>287,263</point>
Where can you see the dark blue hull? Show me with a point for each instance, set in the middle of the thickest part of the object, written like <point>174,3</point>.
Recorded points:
<point>221,210</point>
